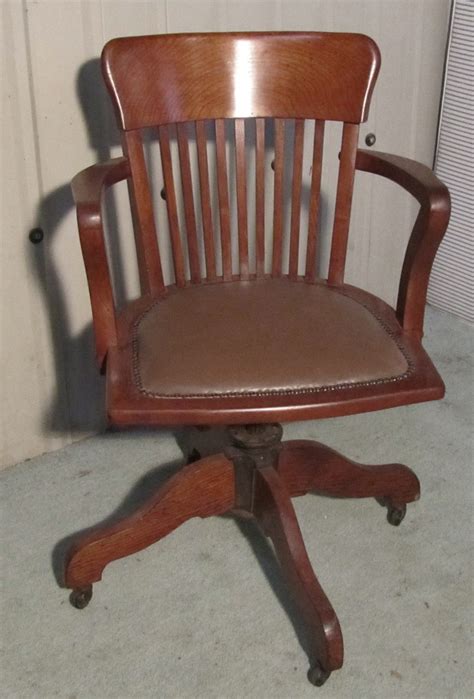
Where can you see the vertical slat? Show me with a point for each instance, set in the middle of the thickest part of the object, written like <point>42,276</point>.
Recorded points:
<point>223,196</point>
<point>342,214</point>
<point>148,255</point>
<point>278,197</point>
<point>260,196</point>
<point>296,198</point>
<point>206,209</point>
<point>171,206</point>
<point>241,182</point>
<point>314,200</point>
<point>188,198</point>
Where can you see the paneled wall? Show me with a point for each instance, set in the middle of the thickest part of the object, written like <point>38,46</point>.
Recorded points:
<point>452,280</point>
<point>56,120</point>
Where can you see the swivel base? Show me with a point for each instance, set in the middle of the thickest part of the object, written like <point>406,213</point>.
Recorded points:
<point>255,477</point>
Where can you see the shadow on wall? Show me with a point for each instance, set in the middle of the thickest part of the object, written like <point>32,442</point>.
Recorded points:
<point>78,403</point>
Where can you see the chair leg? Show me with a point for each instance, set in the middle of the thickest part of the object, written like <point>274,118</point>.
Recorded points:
<point>306,466</point>
<point>256,476</point>
<point>201,489</point>
<point>274,512</point>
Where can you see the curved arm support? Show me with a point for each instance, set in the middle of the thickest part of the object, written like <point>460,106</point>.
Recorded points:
<point>87,188</point>
<point>427,233</point>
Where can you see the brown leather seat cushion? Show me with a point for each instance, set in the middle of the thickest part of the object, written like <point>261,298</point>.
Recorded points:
<point>272,335</point>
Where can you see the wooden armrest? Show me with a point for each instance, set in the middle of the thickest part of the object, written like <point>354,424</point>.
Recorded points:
<point>427,233</point>
<point>87,188</point>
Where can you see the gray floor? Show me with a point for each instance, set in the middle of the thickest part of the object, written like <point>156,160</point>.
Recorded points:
<point>203,614</point>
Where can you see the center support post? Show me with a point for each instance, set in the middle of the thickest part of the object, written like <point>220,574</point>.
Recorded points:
<point>251,447</point>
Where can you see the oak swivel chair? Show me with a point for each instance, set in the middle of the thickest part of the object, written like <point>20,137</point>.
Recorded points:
<point>245,336</point>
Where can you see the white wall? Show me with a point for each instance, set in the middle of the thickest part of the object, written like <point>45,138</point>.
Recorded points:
<point>56,120</point>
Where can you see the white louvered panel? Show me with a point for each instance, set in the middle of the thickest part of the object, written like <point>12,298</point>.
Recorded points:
<point>452,280</point>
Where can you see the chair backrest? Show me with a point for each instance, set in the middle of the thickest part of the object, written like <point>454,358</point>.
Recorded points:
<point>188,82</point>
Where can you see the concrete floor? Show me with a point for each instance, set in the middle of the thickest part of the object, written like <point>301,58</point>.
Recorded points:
<point>203,613</point>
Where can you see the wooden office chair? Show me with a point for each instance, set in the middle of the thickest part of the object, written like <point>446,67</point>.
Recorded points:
<point>233,341</point>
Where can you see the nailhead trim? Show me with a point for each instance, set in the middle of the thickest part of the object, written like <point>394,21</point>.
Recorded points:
<point>271,392</point>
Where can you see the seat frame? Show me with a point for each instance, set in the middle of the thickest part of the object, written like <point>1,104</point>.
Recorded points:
<point>128,406</point>
<point>256,474</point>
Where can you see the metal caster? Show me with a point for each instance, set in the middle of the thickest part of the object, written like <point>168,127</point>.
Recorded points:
<point>318,676</point>
<point>81,597</point>
<point>395,515</point>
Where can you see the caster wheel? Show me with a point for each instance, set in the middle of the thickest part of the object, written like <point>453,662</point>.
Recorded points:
<point>81,597</point>
<point>395,515</point>
<point>318,676</point>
